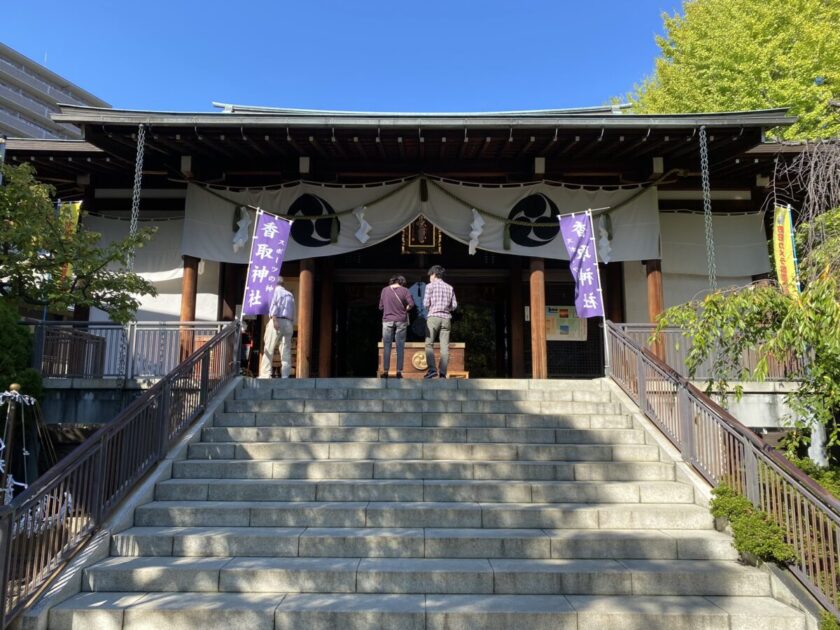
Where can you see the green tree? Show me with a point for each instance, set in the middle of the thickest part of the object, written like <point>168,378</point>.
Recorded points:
<point>724,325</point>
<point>729,55</point>
<point>43,262</point>
<point>16,341</point>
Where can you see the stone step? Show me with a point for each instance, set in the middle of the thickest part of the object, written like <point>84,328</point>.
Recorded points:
<point>333,419</point>
<point>422,434</point>
<point>459,451</point>
<point>279,611</point>
<point>421,393</point>
<point>426,575</point>
<point>415,407</point>
<point>423,490</point>
<point>426,514</point>
<point>433,384</point>
<point>423,469</point>
<point>395,542</point>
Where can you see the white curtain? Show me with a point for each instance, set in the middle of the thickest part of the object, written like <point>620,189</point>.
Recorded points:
<point>388,207</point>
<point>635,226</point>
<point>740,244</point>
<point>208,229</point>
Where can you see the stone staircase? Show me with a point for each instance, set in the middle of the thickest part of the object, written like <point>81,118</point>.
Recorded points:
<point>360,503</point>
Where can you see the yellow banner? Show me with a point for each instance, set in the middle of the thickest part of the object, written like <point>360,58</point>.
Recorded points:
<point>784,253</point>
<point>68,215</point>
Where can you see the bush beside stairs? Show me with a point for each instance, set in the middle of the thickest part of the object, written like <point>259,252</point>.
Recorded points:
<point>447,504</point>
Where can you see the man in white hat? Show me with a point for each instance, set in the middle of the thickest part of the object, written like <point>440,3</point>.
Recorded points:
<point>281,320</point>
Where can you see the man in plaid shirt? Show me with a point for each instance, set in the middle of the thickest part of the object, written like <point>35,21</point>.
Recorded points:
<point>439,301</point>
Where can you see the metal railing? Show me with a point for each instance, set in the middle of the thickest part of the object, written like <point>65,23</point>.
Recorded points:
<point>721,449</point>
<point>43,527</point>
<point>674,348</point>
<point>71,349</point>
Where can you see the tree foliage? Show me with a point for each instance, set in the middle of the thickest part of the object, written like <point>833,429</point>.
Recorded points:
<point>43,262</point>
<point>16,341</point>
<point>729,55</point>
<point>780,327</point>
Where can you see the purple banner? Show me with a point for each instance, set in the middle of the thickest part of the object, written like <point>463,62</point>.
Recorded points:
<point>271,235</point>
<point>579,238</point>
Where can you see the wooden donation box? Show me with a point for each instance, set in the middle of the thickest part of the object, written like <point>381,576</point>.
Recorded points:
<point>414,363</point>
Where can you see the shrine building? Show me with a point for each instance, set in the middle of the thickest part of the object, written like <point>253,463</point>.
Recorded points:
<point>376,194</point>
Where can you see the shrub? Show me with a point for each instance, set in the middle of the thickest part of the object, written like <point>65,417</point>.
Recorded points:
<point>829,622</point>
<point>752,530</point>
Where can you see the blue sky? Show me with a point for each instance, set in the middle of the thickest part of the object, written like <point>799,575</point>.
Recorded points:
<point>375,55</point>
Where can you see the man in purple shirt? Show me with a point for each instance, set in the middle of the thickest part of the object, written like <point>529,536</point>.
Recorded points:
<point>280,328</point>
<point>395,301</point>
<point>439,301</point>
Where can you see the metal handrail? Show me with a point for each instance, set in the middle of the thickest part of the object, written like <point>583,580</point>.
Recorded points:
<point>48,523</point>
<point>722,449</point>
<point>104,349</point>
<point>673,347</point>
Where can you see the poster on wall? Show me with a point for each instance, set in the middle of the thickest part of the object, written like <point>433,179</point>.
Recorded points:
<point>563,324</point>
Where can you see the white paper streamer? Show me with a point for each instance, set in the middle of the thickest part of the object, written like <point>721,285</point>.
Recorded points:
<point>476,228</point>
<point>604,247</point>
<point>242,232</point>
<point>364,226</point>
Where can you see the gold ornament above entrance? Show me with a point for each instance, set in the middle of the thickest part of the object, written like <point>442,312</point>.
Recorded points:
<point>421,237</point>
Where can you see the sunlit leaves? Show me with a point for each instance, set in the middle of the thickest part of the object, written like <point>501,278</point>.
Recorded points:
<point>731,55</point>
<point>42,262</point>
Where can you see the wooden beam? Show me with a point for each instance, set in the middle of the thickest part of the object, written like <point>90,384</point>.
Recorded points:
<point>568,146</point>
<point>325,323</point>
<point>313,141</point>
<point>305,305</point>
<point>628,148</point>
<point>296,146</point>
<point>539,348</point>
<point>526,147</point>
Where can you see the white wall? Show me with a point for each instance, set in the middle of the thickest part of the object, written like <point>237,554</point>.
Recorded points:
<point>682,288</point>
<point>677,289</point>
<point>635,292</point>
<point>166,305</point>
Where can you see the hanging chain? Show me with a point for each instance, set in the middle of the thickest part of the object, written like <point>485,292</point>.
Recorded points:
<point>135,193</point>
<point>132,230</point>
<point>707,209</point>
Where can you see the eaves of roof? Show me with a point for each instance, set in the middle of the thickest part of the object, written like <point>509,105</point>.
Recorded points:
<point>80,115</point>
<point>50,145</point>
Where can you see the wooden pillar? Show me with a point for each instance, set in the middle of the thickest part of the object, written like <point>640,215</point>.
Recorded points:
<point>325,323</point>
<point>539,347</point>
<point>189,292</point>
<point>230,290</point>
<point>655,299</point>
<point>517,321</point>
<point>81,313</point>
<point>613,273</point>
<point>306,303</point>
